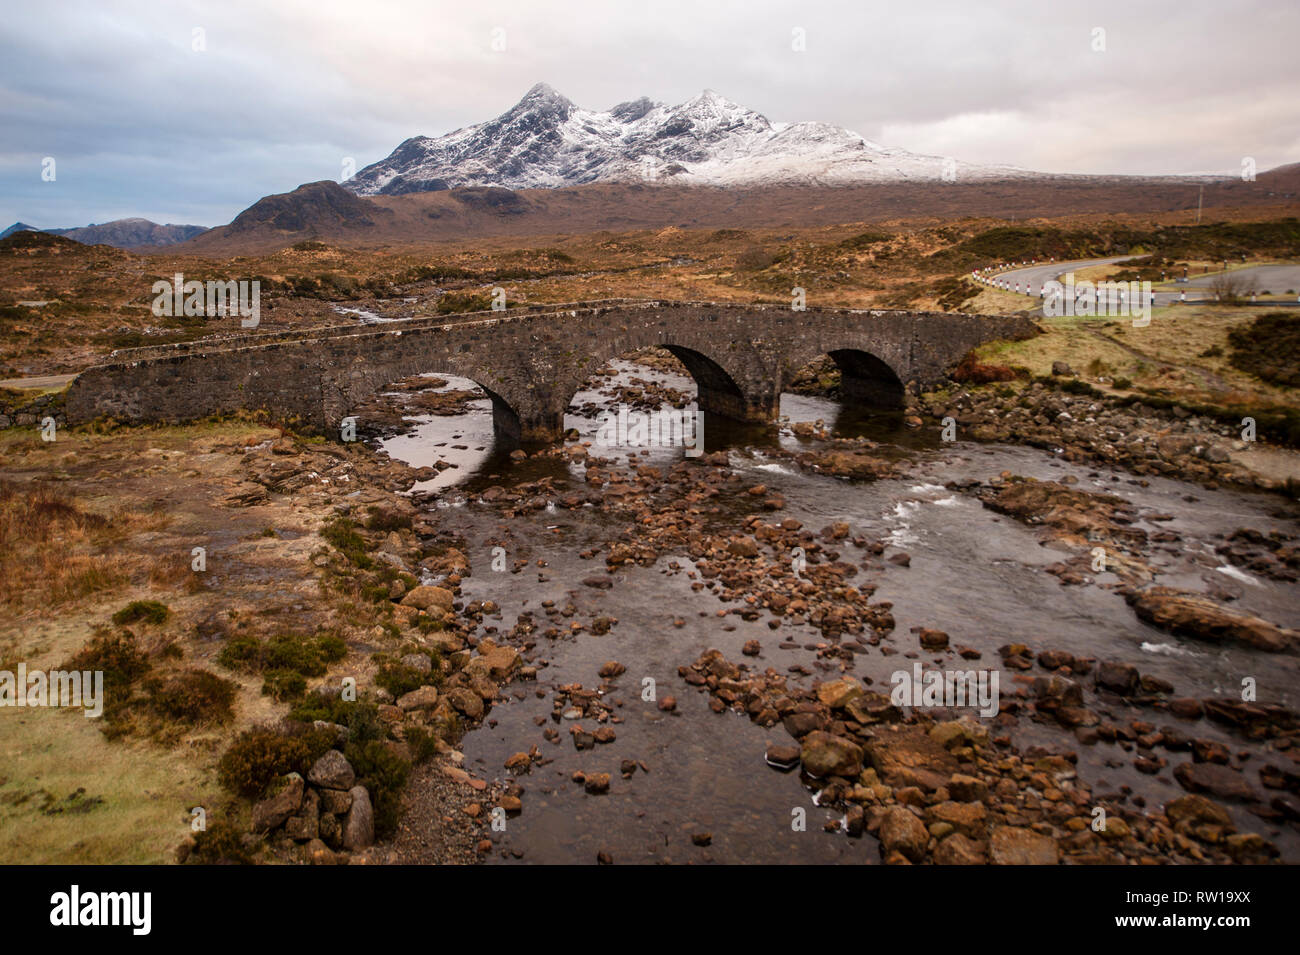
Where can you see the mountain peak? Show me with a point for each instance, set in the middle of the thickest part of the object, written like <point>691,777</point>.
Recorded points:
<point>715,100</point>
<point>546,141</point>
<point>321,206</point>
<point>541,107</point>
<point>544,95</point>
<point>632,110</point>
<point>712,112</point>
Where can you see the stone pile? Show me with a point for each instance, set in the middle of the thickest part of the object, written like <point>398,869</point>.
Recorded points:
<point>327,813</point>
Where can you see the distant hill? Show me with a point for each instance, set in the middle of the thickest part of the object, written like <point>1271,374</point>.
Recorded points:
<point>18,227</point>
<point>34,242</point>
<point>121,233</point>
<point>315,210</point>
<point>325,211</point>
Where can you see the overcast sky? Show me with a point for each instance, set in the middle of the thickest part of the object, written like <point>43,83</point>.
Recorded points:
<point>140,123</point>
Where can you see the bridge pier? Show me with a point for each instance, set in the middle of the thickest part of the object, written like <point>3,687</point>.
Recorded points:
<point>544,427</point>
<point>506,425</point>
<point>760,409</point>
<point>718,393</point>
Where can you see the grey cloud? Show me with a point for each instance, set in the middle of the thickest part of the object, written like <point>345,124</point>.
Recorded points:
<point>139,121</point>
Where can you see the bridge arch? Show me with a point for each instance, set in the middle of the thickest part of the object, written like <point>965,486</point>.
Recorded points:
<point>346,385</point>
<point>732,379</point>
<point>866,379</point>
<point>873,371</point>
<point>716,390</point>
<point>505,419</point>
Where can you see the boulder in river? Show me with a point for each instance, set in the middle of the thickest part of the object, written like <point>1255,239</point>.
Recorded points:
<point>824,754</point>
<point>901,831</point>
<point>1215,779</point>
<point>1200,618</point>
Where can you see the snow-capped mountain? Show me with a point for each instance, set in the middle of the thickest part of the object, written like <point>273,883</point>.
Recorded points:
<point>545,141</point>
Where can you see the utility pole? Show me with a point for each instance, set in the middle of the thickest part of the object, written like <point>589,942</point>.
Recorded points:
<point>1199,197</point>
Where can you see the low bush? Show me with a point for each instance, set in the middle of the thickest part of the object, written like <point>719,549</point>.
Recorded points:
<point>1073,386</point>
<point>361,717</point>
<point>864,240</point>
<point>221,843</point>
<point>192,696</point>
<point>260,756</point>
<point>423,743</point>
<point>973,372</point>
<point>241,653</point>
<point>384,774</point>
<point>456,302</point>
<point>331,647</point>
<point>291,651</point>
<point>116,654</point>
<point>342,534</point>
<point>755,260</point>
<point>399,678</point>
<point>137,611</point>
<point>388,519</point>
<point>1269,349</point>
<point>288,652</point>
<point>282,684</point>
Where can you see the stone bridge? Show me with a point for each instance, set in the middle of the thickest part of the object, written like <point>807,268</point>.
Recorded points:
<point>531,361</point>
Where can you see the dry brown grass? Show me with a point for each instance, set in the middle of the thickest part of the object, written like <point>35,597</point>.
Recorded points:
<point>53,551</point>
<point>131,503</point>
<point>770,242</point>
<point>173,572</point>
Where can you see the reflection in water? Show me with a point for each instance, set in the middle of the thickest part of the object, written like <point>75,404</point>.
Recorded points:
<point>463,444</point>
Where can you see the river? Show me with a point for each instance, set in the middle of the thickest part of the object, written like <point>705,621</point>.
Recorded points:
<point>973,573</point>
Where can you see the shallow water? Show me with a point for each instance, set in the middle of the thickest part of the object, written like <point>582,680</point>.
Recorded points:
<point>975,574</point>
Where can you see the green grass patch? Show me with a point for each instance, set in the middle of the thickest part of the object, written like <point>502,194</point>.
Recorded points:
<point>142,611</point>
<point>341,533</point>
<point>307,655</point>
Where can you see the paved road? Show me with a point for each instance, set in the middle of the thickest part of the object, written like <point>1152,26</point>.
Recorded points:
<point>1028,280</point>
<point>1268,278</point>
<point>40,381</point>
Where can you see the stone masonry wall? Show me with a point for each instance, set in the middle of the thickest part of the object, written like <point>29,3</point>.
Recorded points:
<point>18,409</point>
